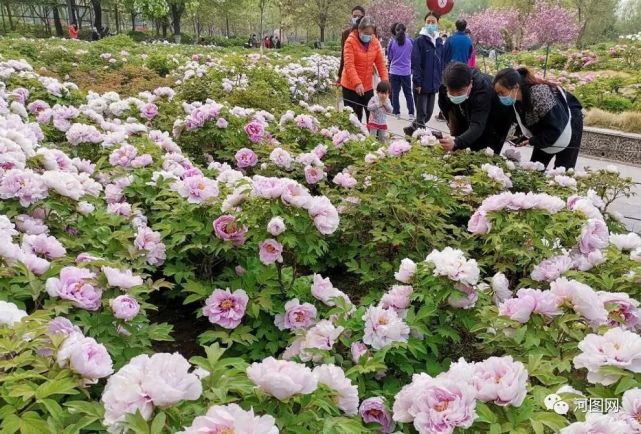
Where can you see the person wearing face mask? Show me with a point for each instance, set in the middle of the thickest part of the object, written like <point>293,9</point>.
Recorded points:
<point>357,13</point>
<point>475,116</point>
<point>427,71</point>
<point>362,53</point>
<point>548,116</point>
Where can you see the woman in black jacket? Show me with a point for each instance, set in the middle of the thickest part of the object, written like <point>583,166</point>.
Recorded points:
<point>548,116</point>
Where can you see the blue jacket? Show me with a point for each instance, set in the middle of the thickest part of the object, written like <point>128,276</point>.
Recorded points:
<point>427,64</point>
<point>458,48</point>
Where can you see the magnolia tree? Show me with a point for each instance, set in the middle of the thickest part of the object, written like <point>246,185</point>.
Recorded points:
<point>494,28</point>
<point>388,12</point>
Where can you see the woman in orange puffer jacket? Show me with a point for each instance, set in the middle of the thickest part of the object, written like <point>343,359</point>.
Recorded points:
<point>361,54</point>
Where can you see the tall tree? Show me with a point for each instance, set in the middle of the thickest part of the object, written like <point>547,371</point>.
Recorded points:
<point>388,12</point>
<point>325,13</point>
<point>596,19</point>
<point>97,14</point>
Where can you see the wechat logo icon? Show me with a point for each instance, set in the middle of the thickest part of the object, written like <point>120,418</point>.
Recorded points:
<point>554,402</point>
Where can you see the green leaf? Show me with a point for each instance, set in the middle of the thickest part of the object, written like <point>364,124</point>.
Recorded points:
<point>63,386</point>
<point>485,413</point>
<point>158,423</point>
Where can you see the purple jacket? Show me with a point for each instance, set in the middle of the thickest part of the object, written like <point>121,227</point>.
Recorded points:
<point>400,57</point>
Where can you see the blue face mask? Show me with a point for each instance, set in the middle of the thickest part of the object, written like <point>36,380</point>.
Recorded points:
<point>365,38</point>
<point>431,28</point>
<point>507,100</point>
<point>457,99</point>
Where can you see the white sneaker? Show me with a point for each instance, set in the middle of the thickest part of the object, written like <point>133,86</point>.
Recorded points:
<point>398,116</point>
<point>412,117</point>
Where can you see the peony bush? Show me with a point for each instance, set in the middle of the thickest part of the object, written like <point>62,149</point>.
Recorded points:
<point>187,258</point>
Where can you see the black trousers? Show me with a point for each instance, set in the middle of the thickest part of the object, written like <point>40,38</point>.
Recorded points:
<point>403,82</point>
<point>567,157</point>
<point>424,108</point>
<point>358,103</point>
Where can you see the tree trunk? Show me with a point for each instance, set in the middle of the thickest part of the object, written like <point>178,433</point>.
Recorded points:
<point>322,33</point>
<point>176,14</point>
<point>164,24</point>
<point>117,16</point>
<point>56,22</point>
<point>72,13</point>
<point>11,26</point>
<point>133,21</point>
<point>97,14</point>
<point>227,25</point>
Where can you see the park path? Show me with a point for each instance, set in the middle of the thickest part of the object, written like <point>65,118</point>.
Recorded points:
<point>630,207</point>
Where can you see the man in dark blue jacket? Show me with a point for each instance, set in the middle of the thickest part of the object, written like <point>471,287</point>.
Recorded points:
<point>427,70</point>
<point>458,47</point>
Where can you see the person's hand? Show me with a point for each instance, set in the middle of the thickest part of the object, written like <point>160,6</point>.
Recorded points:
<point>447,143</point>
<point>360,90</point>
<point>523,143</point>
<point>418,89</point>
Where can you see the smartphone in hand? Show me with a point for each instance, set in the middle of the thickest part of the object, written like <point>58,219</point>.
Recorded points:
<point>437,134</point>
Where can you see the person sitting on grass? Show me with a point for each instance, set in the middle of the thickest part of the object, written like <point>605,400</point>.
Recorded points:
<point>379,107</point>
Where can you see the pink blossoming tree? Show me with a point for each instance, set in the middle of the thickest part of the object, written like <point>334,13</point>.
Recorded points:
<point>494,28</point>
<point>388,12</point>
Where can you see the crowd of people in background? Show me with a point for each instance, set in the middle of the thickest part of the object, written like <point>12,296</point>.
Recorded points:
<point>267,42</point>
<point>479,110</point>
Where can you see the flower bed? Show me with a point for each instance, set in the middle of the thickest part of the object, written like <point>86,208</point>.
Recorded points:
<point>332,284</point>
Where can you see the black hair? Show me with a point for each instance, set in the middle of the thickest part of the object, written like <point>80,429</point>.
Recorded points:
<point>524,78</point>
<point>400,33</point>
<point>468,32</point>
<point>432,14</point>
<point>443,35</point>
<point>457,76</point>
<point>393,29</point>
<point>359,8</point>
<point>383,86</point>
<point>461,25</point>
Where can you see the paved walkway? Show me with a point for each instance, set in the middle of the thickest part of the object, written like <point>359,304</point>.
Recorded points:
<point>629,207</point>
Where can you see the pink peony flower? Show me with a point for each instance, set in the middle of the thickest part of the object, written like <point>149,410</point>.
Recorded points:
<point>246,158</point>
<point>149,111</point>
<point>383,327</point>
<point>123,156</point>
<point>296,316</point>
<point>282,379</point>
<point>24,185</point>
<point>276,226</point>
<point>137,386</point>
<point>322,336</point>
<point>501,380</point>
<point>551,269</point>
<point>501,288</point>
<point>62,326</point>
<point>406,271</point>
<point>85,208</point>
<point>255,131</point>
<point>358,349</point>
<point>583,299</point>
<point>143,160</point>
<point>231,418</point>
<point>313,174</point>
<point>323,290</point>
<point>623,309</point>
<point>226,229</point>
<point>222,123</point>
<point>225,308</point>
<point>196,189</point>
<point>125,307</point>
<point>175,383</point>
<point>631,409</point>
<point>123,279</point>
<point>294,194</point>
<point>596,423</point>
<point>437,405</point>
<point>373,410</point>
<point>617,347</point>
<point>325,215</point>
<point>73,285</point>
<point>345,180</point>
<point>43,245</point>
<point>30,225</point>
<point>281,158</point>
<point>268,188</point>
<point>398,147</point>
<point>85,356</point>
<point>478,223</point>
<point>270,252</point>
<point>452,264</point>
<point>594,236</point>
<point>398,298</point>
<point>10,314</point>
<point>346,393</point>
<point>630,241</point>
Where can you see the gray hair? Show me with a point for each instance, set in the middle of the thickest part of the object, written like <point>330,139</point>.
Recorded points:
<point>366,22</point>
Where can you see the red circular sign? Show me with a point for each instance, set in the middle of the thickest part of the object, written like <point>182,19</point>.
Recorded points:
<point>440,7</point>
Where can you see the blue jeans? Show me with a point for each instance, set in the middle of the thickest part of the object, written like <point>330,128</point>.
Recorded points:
<point>399,82</point>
